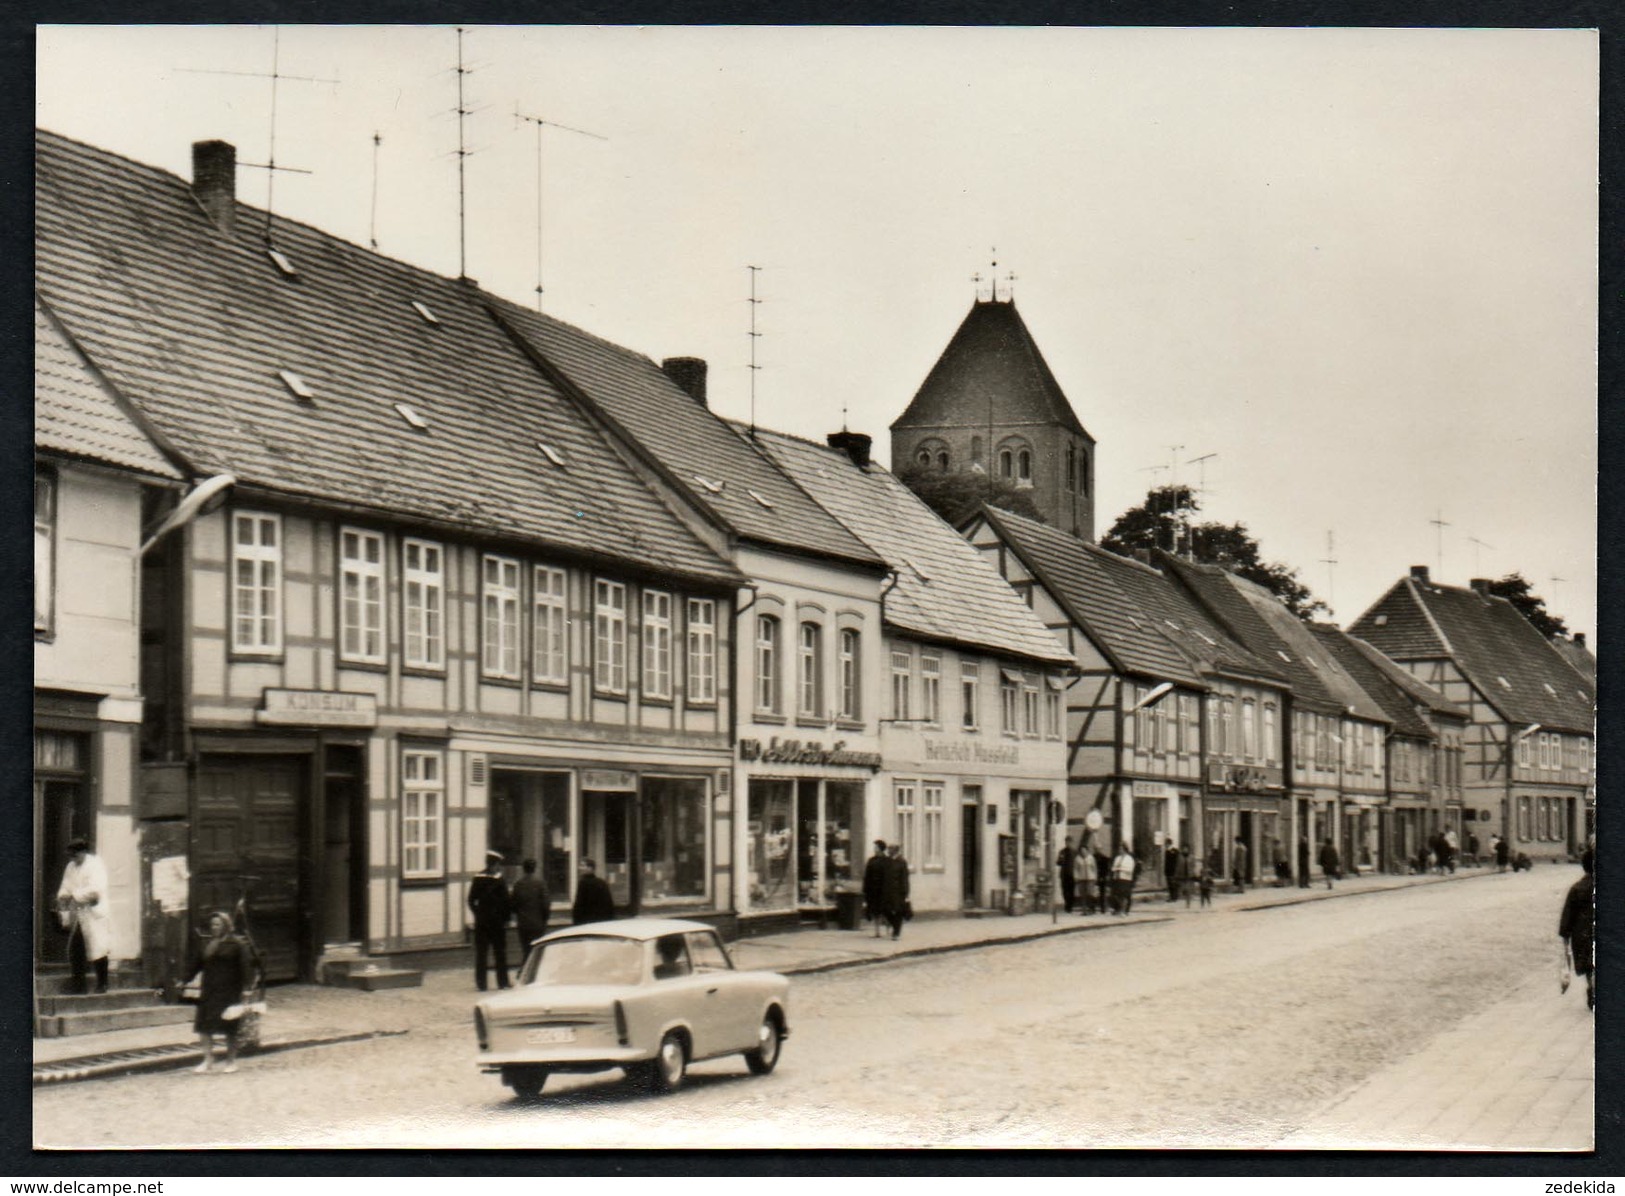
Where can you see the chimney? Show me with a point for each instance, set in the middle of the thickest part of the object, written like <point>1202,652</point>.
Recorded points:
<point>853,444</point>
<point>1419,573</point>
<point>214,182</point>
<point>1481,586</point>
<point>1579,640</point>
<point>689,374</point>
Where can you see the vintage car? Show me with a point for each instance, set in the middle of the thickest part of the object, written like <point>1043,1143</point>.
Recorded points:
<point>650,995</point>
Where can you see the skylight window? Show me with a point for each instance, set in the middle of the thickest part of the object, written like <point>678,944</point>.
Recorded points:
<point>423,310</point>
<point>1548,687</point>
<point>759,498</point>
<point>283,263</point>
<point>1283,656</point>
<point>551,453</point>
<point>713,487</point>
<point>1172,624</point>
<point>1505,684</point>
<point>412,417</point>
<point>297,385</point>
<point>1381,620</point>
<point>1213,642</point>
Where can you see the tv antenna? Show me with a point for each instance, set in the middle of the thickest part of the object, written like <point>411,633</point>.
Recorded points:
<point>1330,561</point>
<point>1556,581</point>
<point>372,220</point>
<point>1477,544</point>
<point>275,75</point>
<point>1439,523</point>
<point>541,123</point>
<point>463,112</point>
<point>754,337</point>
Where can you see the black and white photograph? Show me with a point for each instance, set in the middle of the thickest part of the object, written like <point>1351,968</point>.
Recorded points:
<point>631,588</point>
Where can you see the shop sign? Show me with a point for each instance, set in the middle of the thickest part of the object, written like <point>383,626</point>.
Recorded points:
<point>799,751</point>
<point>1152,789</point>
<point>317,708</point>
<point>612,780</point>
<point>959,751</point>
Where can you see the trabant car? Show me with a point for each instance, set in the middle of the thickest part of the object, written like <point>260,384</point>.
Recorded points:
<point>650,995</point>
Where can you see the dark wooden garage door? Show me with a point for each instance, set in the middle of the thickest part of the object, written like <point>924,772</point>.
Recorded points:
<point>250,810</point>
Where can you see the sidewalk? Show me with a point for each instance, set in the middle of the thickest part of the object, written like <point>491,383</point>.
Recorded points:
<point>304,1015</point>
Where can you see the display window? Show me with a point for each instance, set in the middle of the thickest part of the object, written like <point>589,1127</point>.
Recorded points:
<point>770,844</point>
<point>673,817</point>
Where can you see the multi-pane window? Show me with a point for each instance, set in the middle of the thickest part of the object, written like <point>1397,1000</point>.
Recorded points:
<point>970,694</point>
<point>1523,818</point>
<point>1052,711</point>
<point>256,571</point>
<point>931,688</point>
<point>1249,729</point>
<point>902,677</point>
<point>702,650</point>
<point>423,602</point>
<point>1545,748</point>
<point>44,550</point>
<point>1009,704</point>
<point>499,602</point>
<point>549,637</point>
<point>904,796</point>
<point>361,595</point>
<point>851,677</point>
<point>932,845</point>
<point>810,671</point>
<point>1213,703</point>
<point>1029,708</point>
<point>1585,758</point>
<point>767,664</point>
<point>1227,721</point>
<point>656,644</point>
<point>609,636</point>
<point>1374,749</point>
<point>1186,728</point>
<point>1271,746</point>
<point>423,809</point>
<point>1523,751</point>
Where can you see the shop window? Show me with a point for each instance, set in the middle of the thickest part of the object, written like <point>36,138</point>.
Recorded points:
<point>423,793</point>
<point>931,688</point>
<point>851,682</point>
<point>970,694</point>
<point>810,671</point>
<point>499,600</point>
<point>549,620</point>
<point>44,551</point>
<point>673,817</point>
<point>902,675</point>
<point>905,794</point>
<point>609,636</point>
<point>702,650</point>
<point>656,644</point>
<point>361,596</point>
<point>423,602</point>
<point>770,844</point>
<point>256,570</point>
<point>933,838</point>
<point>767,664</point>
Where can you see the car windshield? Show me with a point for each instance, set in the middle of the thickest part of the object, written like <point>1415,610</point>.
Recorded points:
<point>594,960</point>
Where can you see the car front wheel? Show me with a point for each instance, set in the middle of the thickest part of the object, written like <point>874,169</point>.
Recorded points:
<point>526,1082</point>
<point>769,1038</point>
<point>666,1071</point>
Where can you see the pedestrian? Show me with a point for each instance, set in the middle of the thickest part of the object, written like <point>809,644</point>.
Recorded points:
<point>491,906</point>
<point>81,904</point>
<point>1187,862</point>
<point>532,907</point>
<point>1437,845</point>
<point>1084,876</point>
<point>1063,864</point>
<point>874,885</point>
<point>1303,861</point>
<point>225,974</point>
<point>1103,880</point>
<point>1238,865</point>
<point>894,892</point>
<point>1577,926</point>
<point>1501,854</point>
<point>1283,870</point>
<point>1204,883</point>
<point>1124,866</point>
<point>1450,847</point>
<point>1472,849</point>
<point>594,902</point>
<point>1330,865</point>
<point>1170,871</point>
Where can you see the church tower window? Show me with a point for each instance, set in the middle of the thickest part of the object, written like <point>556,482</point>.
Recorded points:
<point>1005,463</point>
<point>1024,466</point>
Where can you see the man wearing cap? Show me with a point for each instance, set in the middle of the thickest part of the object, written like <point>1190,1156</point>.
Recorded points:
<point>81,903</point>
<point>594,902</point>
<point>488,899</point>
<point>874,884</point>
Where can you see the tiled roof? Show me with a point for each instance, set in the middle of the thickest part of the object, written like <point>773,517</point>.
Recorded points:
<point>1395,702</point>
<point>1579,657</point>
<point>991,354</point>
<point>1081,578</point>
<point>1517,670</point>
<point>74,414</point>
<point>1419,691</point>
<point>711,460</point>
<point>945,590</point>
<point>195,327</point>
<point>1399,625</point>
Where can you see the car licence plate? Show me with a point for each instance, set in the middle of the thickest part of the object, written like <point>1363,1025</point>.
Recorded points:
<point>549,1034</point>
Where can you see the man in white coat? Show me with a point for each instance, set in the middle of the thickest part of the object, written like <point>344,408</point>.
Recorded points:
<point>81,902</point>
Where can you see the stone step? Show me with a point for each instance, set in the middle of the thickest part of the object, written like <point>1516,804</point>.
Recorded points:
<point>67,1025</point>
<point>371,980</point>
<point>116,998</point>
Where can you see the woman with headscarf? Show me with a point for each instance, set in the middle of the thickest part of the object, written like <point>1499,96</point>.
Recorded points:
<point>227,973</point>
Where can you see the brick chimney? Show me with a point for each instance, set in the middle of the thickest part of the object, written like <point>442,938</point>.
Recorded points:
<point>1419,573</point>
<point>853,444</point>
<point>1481,586</point>
<point>214,182</point>
<point>689,374</point>
<point>1579,639</point>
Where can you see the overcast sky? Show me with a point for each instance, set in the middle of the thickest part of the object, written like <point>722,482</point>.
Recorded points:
<point>1359,266</point>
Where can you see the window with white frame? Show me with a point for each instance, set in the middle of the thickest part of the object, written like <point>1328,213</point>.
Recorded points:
<point>1545,749</point>
<point>1139,731</point>
<point>1227,721</point>
<point>1249,729</point>
<point>930,687</point>
<point>256,571</point>
<point>549,626</point>
<point>361,595</point>
<point>904,795</point>
<point>1029,708</point>
<point>970,694</point>
<point>1214,701</point>
<point>1374,749</point>
<point>1271,744</point>
<point>1009,703</point>
<point>1052,709</point>
<point>423,815</point>
<point>851,674</point>
<point>499,601</point>
<point>44,550</point>
<point>810,671</point>
<point>1161,740</point>
<point>767,664</point>
<point>702,650</point>
<point>933,847</point>
<point>1585,758</point>
<point>1523,750</point>
<point>902,684</point>
<point>1185,723</point>
<point>423,604</point>
<point>609,636</point>
<point>656,644</point>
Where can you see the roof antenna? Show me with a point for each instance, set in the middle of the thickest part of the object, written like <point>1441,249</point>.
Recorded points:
<point>1330,561</point>
<point>754,337</point>
<point>1477,544</point>
<point>462,157</point>
<point>372,222</point>
<point>995,272</point>
<point>553,124</point>
<point>1439,523</point>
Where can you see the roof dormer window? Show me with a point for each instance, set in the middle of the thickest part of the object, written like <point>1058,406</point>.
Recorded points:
<point>1381,620</point>
<point>764,502</point>
<point>551,453</point>
<point>297,386</point>
<point>423,310</point>
<point>412,417</point>
<point>713,487</point>
<point>282,262</point>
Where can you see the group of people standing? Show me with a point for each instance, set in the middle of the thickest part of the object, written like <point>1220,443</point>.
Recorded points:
<point>1094,882</point>
<point>885,888</point>
<point>493,905</point>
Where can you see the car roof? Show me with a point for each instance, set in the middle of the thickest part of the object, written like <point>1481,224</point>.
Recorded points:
<point>631,928</point>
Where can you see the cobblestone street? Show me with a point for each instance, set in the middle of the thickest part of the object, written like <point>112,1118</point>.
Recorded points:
<point>1328,1023</point>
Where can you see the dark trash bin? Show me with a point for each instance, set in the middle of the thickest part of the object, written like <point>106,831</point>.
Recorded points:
<point>849,910</point>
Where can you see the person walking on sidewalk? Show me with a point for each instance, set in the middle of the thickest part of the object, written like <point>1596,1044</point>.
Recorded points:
<point>1238,865</point>
<point>1303,861</point>
<point>81,903</point>
<point>1124,866</point>
<point>894,893</point>
<point>874,886</point>
<point>594,902</point>
<point>1085,874</point>
<point>1472,849</point>
<point>1577,927</point>
<point>1170,871</point>
<point>227,972</point>
<point>1330,864</point>
<point>532,906</point>
<point>491,905</point>
<point>1103,879</point>
<point>1448,863</point>
<point>1501,853</point>
<point>1063,865</point>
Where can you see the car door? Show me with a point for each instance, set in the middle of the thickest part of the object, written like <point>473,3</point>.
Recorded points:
<point>729,995</point>
<point>681,994</point>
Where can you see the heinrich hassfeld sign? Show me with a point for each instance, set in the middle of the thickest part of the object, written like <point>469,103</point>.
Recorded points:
<point>960,751</point>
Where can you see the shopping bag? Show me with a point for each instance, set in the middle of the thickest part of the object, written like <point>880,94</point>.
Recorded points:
<point>192,990</point>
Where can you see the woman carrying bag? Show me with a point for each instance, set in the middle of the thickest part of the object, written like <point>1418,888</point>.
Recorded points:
<point>226,979</point>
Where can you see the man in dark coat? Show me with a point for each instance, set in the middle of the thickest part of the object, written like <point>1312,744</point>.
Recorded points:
<point>594,902</point>
<point>1577,926</point>
<point>1501,853</point>
<point>874,885</point>
<point>1063,864</point>
<point>531,907</point>
<point>1330,862</point>
<point>1303,861</point>
<point>1171,874</point>
<point>1238,865</point>
<point>894,891</point>
<point>488,899</point>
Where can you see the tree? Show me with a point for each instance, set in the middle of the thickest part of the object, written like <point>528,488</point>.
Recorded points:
<point>1515,588</point>
<point>1164,521</point>
<point>958,495</point>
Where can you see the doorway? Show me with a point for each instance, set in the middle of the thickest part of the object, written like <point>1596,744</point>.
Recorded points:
<point>607,836</point>
<point>970,840</point>
<point>61,814</point>
<point>343,916</point>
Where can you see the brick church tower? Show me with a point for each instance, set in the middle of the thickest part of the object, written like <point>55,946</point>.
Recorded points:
<point>991,404</point>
